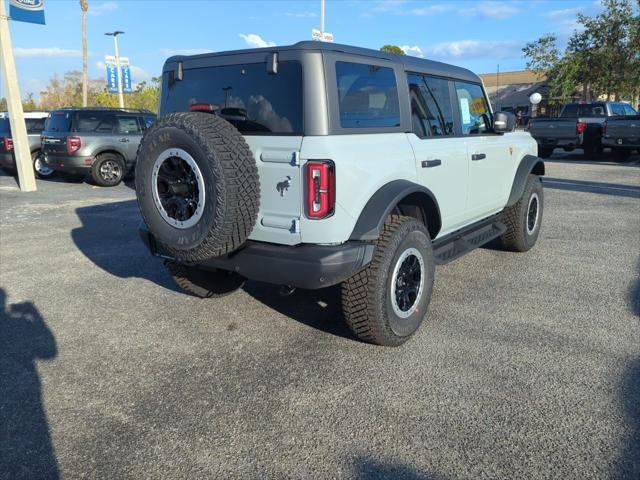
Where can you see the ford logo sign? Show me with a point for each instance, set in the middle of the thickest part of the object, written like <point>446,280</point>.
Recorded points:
<point>29,4</point>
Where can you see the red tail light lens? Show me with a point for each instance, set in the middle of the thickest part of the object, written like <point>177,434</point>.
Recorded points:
<point>201,107</point>
<point>580,127</point>
<point>8,144</point>
<point>73,144</point>
<point>321,189</point>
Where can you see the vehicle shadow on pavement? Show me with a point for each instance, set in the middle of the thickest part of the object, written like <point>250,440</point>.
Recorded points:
<point>26,449</point>
<point>370,469</point>
<point>615,189</point>
<point>628,465</point>
<point>109,238</point>
<point>320,309</point>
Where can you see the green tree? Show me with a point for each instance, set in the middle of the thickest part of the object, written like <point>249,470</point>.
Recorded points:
<point>3,104</point>
<point>603,57</point>
<point>392,49</point>
<point>29,105</point>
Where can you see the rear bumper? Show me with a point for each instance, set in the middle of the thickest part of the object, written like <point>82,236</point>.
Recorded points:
<point>621,142</point>
<point>68,163</point>
<point>6,160</point>
<point>303,266</point>
<point>574,142</point>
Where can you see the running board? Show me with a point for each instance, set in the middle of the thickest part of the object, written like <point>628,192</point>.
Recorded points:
<point>458,243</point>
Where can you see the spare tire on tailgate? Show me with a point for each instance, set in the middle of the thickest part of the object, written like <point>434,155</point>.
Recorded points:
<point>197,185</point>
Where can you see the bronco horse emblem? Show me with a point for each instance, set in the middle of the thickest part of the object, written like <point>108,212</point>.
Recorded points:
<point>283,186</point>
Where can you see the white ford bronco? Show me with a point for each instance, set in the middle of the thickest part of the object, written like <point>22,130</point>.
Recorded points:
<point>318,164</point>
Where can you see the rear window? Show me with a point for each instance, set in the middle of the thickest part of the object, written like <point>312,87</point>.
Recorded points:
<point>586,110</point>
<point>367,96</point>
<point>95,122</point>
<point>4,126</point>
<point>58,122</point>
<point>253,100</point>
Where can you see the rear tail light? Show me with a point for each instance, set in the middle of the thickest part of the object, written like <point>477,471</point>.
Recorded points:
<point>581,127</point>
<point>8,144</point>
<point>604,128</point>
<point>201,107</point>
<point>73,144</point>
<point>321,189</point>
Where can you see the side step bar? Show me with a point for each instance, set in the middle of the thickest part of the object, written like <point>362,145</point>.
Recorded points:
<point>456,244</point>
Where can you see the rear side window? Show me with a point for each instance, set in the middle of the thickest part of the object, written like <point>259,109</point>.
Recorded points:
<point>628,110</point>
<point>128,125</point>
<point>617,109</point>
<point>367,96</point>
<point>95,122</point>
<point>474,109</point>
<point>58,122</point>
<point>35,125</point>
<point>431,112</point>
<point>253,100</point>
<point>148,120</point>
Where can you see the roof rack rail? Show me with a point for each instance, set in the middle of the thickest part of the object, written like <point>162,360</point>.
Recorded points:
<point>115,109</point>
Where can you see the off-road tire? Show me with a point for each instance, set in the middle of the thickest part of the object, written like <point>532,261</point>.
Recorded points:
<point>231,184</point>
<point>205,283</point>
<point>38,156</point>
<point>545,152</point>
<point>518,238</point>
<point>99,162</point>
<point>366,296</point>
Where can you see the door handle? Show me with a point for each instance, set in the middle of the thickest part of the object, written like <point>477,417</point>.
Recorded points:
<point>124,140</point>
<point>431,163</point>
<point>478,156</point>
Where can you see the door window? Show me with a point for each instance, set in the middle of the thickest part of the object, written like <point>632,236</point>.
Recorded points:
<point>474,109</point>
<point>128,125</point>
<point>431,111</point>
<point>617,109</point>
<point>628,110</point>
<point>367,96</point>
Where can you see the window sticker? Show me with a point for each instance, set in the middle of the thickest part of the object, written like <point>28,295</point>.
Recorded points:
<point>464,108</point>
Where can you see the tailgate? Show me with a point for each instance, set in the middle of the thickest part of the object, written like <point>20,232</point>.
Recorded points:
<point>281,189</point>
<point>54,143</point>
<point>554,129</point>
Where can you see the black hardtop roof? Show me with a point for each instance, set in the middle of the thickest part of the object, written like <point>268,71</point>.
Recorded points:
<point>409,62</point>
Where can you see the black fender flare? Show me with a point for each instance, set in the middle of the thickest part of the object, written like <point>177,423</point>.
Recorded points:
<point>528,164</point>
<point>382,203</point>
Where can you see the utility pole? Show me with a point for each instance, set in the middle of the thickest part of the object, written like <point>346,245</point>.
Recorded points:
<point>115,44</point>
<point>322,16</point>
<point>26,177</point>
<point>498,86</point>
<point>85,71</point>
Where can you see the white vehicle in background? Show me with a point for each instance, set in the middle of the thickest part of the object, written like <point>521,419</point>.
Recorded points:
<point>318,164</point>
<point>35,123</point>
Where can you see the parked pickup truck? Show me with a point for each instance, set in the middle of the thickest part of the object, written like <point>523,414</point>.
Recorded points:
<point>580,125</point>
<point>622,135</point>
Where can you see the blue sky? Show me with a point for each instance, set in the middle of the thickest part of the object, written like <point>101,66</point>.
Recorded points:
<point>474,34</point>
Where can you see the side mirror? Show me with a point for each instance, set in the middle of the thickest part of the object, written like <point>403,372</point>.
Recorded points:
<point>504,122</point>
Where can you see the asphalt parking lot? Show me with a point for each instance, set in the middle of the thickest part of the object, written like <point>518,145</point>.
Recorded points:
<point>528,367</point>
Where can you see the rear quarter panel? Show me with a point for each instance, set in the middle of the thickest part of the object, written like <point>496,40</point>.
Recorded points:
<point>363,163</point>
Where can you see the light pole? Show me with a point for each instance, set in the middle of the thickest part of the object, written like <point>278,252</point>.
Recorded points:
<point>321,16</point>
<point>115,45</point>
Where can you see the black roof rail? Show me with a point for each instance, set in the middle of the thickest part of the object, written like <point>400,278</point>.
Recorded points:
<point>113,109</point>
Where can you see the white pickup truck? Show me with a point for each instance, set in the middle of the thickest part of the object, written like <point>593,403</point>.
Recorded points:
<point>318,164</point>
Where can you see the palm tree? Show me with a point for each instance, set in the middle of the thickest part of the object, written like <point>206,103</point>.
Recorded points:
<point>85,73</point>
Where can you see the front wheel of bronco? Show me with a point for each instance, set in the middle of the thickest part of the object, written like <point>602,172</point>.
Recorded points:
<point>386,302</point>
<point>523,219</point>
<point>205,283</point>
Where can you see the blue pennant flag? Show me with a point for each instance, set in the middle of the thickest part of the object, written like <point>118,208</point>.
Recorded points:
<point>31,11</point>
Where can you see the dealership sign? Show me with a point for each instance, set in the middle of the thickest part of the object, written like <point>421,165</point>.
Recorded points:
<point>31,11</point>
<point>112,74</point>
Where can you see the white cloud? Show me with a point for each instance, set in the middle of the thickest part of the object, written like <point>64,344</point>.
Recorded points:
<point>256,41</point>
<point>477,49</point>
<point>431,10</point>
<point>170,52</point>
<point>414,50</point>
<point>46,52</point>
<point>305,14</point>
<point>495,10</point>
<point>100,8</point>
<point>563,13</point>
